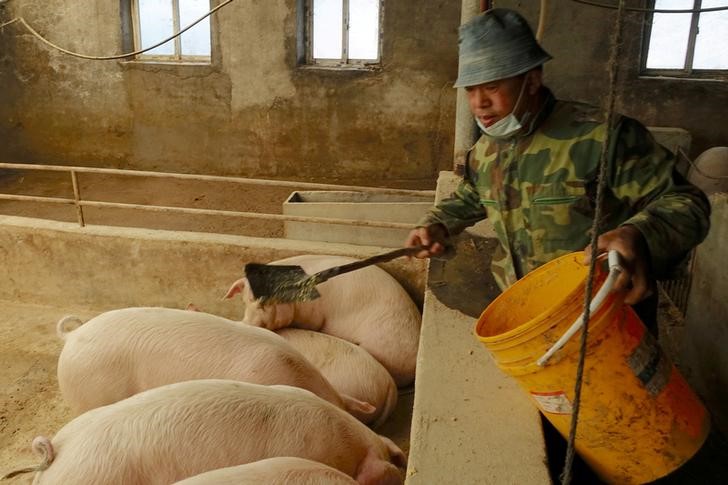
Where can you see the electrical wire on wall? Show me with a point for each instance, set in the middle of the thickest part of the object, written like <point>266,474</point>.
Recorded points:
<point>22,21</point>
<point>651,10</point>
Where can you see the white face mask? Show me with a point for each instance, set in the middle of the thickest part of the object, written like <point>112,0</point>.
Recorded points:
<point>508,125</point>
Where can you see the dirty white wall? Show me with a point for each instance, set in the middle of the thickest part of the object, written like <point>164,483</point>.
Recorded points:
<point>255,112</point>
<point>706,327</point>
<point>252,112</point>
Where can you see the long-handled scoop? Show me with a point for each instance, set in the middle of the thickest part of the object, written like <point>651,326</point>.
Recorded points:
<point>285,284</point>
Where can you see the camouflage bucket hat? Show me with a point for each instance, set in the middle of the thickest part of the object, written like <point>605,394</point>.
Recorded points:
<point>497,44</point>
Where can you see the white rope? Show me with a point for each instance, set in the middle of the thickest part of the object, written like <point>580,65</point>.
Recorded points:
<point>119,56</point>
<point>697,169</point>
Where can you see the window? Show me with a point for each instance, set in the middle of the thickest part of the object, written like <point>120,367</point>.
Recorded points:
<point>156,20</point>
<point>687,44</point>
<point>342,33</point>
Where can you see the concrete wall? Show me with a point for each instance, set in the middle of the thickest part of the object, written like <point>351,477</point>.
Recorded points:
<point>706,324</point>
<point>253,112</point>
<point>101,268</point>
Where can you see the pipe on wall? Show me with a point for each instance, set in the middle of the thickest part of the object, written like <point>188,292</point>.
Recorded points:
<point>466,132</point>
<point>541,19</point>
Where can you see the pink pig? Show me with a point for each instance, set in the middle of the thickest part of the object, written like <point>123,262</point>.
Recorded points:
<point>282,470</point>
<point>367,307</point>
<point>122,352</point>
<point>349,368</point>
<point>180,430</point>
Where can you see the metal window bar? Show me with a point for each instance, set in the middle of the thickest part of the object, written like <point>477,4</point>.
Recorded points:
<point>136,25</point>
<point>345,32</point>
<point>176,27</point>
<point>692,37</point>
<point>80,203</point>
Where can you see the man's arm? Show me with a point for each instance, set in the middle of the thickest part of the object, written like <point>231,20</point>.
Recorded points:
<point>670,215</point>
<point>449,217</point>
<point>462,209</point>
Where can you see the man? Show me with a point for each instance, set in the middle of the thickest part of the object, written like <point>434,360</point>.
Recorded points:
<point>533,172</point>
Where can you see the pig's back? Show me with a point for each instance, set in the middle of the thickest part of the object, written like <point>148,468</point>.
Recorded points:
<point>349,368</point>
<point>123,352</point>
<point>283,470</point>
<point>176,431</point>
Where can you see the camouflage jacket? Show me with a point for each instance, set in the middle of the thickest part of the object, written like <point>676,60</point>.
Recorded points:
<point>539,191</point>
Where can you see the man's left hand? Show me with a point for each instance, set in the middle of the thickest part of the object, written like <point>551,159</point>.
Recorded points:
<point>628,241</point>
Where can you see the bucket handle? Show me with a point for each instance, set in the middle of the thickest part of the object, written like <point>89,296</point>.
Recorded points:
<point>614,271</point>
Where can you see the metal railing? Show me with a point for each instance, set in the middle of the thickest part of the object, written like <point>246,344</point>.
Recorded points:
<point>79,203</point>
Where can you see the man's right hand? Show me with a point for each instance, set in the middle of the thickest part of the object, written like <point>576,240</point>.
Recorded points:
<point>434,237</point>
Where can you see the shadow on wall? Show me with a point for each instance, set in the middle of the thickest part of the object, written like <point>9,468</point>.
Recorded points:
<point>463,281</point>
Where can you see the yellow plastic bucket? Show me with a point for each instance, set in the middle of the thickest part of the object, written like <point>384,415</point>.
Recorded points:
<point>639,420</point>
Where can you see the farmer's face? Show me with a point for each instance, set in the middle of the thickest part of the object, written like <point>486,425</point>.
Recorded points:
<point>490,102</point>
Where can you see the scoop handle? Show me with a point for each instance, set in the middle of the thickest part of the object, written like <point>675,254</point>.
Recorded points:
<point>324,275</point>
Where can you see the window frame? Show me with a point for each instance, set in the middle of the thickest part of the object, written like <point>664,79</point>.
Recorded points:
<point>687,72</point>
<point>177,57</point>
<point>344,62</point>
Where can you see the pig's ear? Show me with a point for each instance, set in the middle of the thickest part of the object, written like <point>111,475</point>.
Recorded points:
<point>375,471</point>
<point>361,410</point>
<point>236,288</point>
<point>396,456</point>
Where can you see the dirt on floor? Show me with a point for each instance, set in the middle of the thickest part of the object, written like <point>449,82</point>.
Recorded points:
<point>30,404</point>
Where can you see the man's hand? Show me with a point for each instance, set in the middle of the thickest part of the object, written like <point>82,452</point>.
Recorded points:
<point>631,245</point>
<point>433,236</point>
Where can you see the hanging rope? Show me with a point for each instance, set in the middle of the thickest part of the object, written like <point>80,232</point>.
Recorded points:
<point>119,56</point>
<point>616,42</point>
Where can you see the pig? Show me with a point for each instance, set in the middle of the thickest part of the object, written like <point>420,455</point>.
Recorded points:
<point>122,352</point>
<point>176,431</point>
<point>349,368</point>
<point>282,470</point>
<point>367,307</point>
